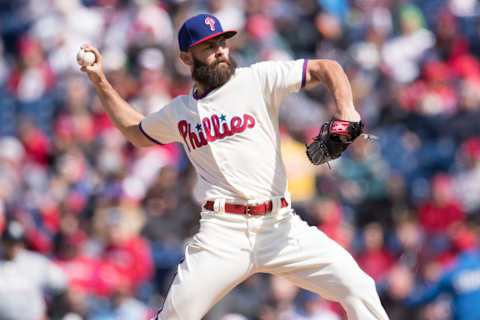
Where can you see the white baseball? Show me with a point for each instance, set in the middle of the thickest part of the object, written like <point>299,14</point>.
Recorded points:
<point>85,58</point>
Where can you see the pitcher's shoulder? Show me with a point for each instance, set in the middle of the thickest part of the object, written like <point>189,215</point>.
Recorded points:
<point>182,101</point>
<point>244,72</point>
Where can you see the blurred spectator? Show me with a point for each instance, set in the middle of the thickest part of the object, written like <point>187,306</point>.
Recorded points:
<point>375,259</point>
<point>410,242</point>
<point>282,295</point>
<point>25,278</point>
<point>314,308</point>
<point>125,258</point>
<point>402,53</point>
<point>328,216</point>
<point>461,281</point>
<point>467,181</point>
<point>362,173</point>
<point>32,77</point>
<point>443,210</point>
<point>399,285</point>
<point>247,300</point>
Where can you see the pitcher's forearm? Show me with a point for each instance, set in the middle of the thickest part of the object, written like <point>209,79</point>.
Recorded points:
<point>337,82</point>
<point>123,116</point>
<point>120,112</point>
<point>331,74</point>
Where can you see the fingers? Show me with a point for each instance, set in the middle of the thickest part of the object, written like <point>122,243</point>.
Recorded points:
<point>87,69</point>
<point>92,69</point>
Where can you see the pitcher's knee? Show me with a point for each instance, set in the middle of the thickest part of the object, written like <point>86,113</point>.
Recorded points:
<point>369,283</point>
<point>362,301</point>
<point>362,285</point>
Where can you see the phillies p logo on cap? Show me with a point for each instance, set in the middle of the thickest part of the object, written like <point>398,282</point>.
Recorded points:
<point>210,22</point>
<point>200,28</point>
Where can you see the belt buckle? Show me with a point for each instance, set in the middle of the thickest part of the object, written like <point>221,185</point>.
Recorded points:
<point>248,210</point>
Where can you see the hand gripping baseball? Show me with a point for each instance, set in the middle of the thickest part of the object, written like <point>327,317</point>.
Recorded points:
<point>333,139</point>
<point>94,70</point>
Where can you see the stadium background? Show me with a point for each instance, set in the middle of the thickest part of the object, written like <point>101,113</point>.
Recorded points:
<point>115,218</point>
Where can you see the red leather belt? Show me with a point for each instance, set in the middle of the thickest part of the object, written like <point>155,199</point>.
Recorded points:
<point>253,210</point>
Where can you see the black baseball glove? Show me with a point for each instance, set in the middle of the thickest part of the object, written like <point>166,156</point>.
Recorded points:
<point>334,138</point>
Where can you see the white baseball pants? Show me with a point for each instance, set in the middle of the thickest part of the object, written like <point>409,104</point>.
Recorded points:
<point>229,248</point>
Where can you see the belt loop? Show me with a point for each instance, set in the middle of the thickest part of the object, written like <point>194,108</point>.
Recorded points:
<point>219,205</point>
<point>288,197</point>
<point>276,204</point>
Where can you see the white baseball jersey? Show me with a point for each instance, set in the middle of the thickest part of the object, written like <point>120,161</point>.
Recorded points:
<point>231,134</point>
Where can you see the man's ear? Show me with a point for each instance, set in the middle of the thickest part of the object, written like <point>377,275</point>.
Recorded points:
<point>187,58</point>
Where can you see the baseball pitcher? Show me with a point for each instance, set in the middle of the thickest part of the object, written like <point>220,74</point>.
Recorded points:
<point>229,128</point>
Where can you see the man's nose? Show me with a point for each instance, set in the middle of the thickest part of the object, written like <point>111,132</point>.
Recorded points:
<point>219,51</point>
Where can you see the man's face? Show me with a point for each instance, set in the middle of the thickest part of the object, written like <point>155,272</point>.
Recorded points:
<point>10,249</point>
<point>212,66</point>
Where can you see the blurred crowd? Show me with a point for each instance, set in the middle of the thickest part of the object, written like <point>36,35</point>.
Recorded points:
<point>93,228</point>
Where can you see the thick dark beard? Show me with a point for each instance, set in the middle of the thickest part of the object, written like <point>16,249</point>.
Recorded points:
<point>214,75</point>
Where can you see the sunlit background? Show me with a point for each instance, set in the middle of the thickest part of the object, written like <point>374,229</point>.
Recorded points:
<point>114,218</point>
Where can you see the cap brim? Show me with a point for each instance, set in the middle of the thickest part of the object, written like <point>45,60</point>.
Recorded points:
<point>227,34</point>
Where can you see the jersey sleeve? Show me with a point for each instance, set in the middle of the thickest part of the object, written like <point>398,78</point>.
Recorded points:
<point>279,78</point>
<point>159,126</point>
